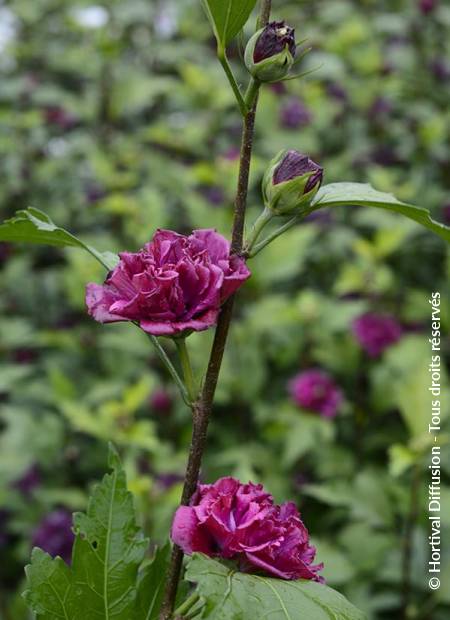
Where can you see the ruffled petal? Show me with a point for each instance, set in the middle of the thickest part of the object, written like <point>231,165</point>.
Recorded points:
<point>99,299</point>
<point>171,328</point>
<point>187,534</point>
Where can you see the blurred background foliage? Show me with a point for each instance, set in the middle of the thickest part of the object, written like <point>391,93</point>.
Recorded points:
<point>116,119</point>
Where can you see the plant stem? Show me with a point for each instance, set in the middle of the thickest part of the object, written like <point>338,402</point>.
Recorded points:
<point>264,14</point>
<point>240,204</point>
<point>276,233</point>
<point>203,407</point>
<point>251,93</point>
<point>256,230</point>
<point>222,56</point>
<point>187,605</point>
<point>170,367</point>
<point>187,368</point>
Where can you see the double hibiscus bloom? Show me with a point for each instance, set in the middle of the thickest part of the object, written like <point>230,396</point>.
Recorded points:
<point>174,285</point>
<point>239,521</point>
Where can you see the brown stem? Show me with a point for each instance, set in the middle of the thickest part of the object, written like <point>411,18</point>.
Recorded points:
<point>201,410</point>
<point>264,14</point>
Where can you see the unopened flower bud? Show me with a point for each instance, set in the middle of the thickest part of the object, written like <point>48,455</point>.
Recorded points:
<point>270,52</point>
<point>291,181</point>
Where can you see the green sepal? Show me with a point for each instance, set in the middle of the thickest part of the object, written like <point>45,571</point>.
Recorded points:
<point>270,69</point>
<point>287,197</point>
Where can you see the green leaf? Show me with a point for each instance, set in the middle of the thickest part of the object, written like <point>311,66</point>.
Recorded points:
<point>108,549</point>
<point>50,587</point>
<point>228,17</point>
<point>230,594</point>
<point>337,194</point>
<point>35,226</point>
<point>151,585</point>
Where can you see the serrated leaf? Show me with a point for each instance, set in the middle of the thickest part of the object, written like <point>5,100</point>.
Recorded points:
<point>337,194</point>
<point>151,585</point>
<point>35,226</point>
<point>230,595</point>
<point>228,17</point>
<point>108,549</point>
<point>50,587</point>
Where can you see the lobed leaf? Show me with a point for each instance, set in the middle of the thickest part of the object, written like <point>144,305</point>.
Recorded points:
<point>51,587</point>
<point>337,194</point>
<point>228,17</point>
<point>229,594</point>
<point>109,547</point>
<point>103,582</point>
<point>34,226</point>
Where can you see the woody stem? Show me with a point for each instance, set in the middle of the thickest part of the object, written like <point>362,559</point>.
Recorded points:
<point>202,408</point>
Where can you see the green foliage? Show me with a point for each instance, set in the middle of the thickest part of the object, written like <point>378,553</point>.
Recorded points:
<point>150,588</point>
<point>108,550</point>
<point>364,195</point>
<point>229,594</point>
<point>35,226</point>
<point>115,419</point>
<point>227,17</point>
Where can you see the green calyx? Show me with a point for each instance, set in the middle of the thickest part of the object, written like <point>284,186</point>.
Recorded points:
<point>288,196</point>
<point>272,69</point>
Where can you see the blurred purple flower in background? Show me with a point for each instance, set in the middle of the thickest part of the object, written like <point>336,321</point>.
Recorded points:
<point>232,154</point>
<point>59,117</point>
<point>446,213</point>
<point>322,218</point>
<point>54,534</point>
<point>384,155</point>
<point>5,252</point>
<point>94,192</point>
<point>294,114</point>
<point>214,194</point>
<point>168,480</point>
<point>238,521</point>
<point>278,88</point>
<point>29,481</point>
<point>24,355</point>
<point>428,6</point>
<point>5,516</point>
<point>376,332</point>
<point>336,91</point>
<point>316,391</point>
<point>381,107</point>
<point>161,401</point>
<point>440,69</point>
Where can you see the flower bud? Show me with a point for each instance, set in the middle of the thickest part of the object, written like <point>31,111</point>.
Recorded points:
<point>291,181</point>
<point>270,52</point>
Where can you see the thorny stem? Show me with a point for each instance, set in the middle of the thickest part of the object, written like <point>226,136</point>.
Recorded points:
<point>202,408</point>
